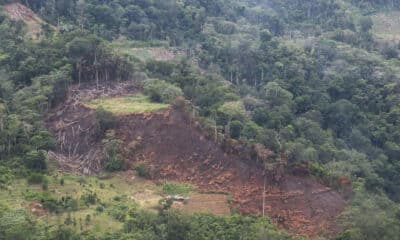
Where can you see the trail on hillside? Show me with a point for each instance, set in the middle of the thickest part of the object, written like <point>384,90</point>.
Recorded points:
<point>176,150</point>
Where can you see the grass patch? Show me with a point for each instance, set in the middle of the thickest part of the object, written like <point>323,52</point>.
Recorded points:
<point>122,186</point>
<point>172,188</point>
<point>126,105</point>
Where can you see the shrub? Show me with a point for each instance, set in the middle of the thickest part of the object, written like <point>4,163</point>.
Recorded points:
<point>118,211</point>
<point>36,160</point>
<point>89,198</point>
<point>161,91</point>
<point>88,219</point>
<point>100,209</point>
<point>172,188</point>
<point>235,129</point>
<point>45,184</point>
<point>105,119</point>
<point>70,204</point>
<point>5,176</point>
<point>36,178</point>
<point>225,27</point>
<point>142,170</point>
<point>113,161</point>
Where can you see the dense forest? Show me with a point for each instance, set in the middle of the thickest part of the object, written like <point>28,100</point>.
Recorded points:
<point>307,79</point>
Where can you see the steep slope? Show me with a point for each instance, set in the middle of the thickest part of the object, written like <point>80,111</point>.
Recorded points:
<point>19,12</point>
<point>176,149</point>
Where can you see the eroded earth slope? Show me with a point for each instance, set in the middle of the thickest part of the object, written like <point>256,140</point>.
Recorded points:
<point>177,150</point>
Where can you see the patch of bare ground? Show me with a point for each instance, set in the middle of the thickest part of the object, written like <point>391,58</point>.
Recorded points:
<point>19,12</point>
<point>158,53</point>
<point>177,150</point>
<point>387,25</point>
<point>36,208</point>
<point>205,203</point>
<point>74,127</point>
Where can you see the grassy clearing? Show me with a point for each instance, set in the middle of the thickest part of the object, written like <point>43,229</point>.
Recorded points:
<point>145,51</point>
<point>127,105</point>
<point>120,189</point>
<point>387,25</point>
<point>115,194</point>
<point>174,188</point>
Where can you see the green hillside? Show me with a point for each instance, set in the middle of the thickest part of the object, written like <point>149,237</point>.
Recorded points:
<point>316,83</point>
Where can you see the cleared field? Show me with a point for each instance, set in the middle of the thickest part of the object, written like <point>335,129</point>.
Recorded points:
<point>387,25</point>
<point>158,51</point>
<point>205,203</point>
<point>127,104</point>
<point>118,189</point>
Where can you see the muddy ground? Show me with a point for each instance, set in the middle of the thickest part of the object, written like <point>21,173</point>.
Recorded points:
<point>176,150</point>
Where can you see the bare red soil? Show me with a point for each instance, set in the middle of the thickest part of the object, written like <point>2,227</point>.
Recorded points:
<point>176,150</point>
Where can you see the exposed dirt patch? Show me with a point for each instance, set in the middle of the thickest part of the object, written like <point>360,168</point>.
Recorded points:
<point>177,151</point>
<point>387,25</point>
<point>36,208</point>
<point>19,12</point>
<point>206,203</point>
<point>74,127</point>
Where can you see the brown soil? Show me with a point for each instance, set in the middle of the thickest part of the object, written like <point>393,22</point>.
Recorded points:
<point>19,12</point>
<point>74,128</point>
<point>178,151</point>
<point>36,208</point>
<point>206,203</point>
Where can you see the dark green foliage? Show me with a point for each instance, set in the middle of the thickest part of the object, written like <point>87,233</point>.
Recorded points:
<point>113,160</point>
<point>142,170</point>
<point>36,178</point>
<point>106,120</point>
<point>6,176</point>
<point>89,198</point>
<point>36,160</point>
<point>236,128</point>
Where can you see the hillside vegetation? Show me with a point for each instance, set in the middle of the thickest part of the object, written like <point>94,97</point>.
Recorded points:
<point>309,86</point>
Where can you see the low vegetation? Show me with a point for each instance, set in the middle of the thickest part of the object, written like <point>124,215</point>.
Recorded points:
<point>126,105</point>
<point>173,188</point>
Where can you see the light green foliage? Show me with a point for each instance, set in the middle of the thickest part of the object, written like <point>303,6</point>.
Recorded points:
<point>161,91</point>
<point>173,188</point>
<point>113,161</point>
<point>232,111</point>
<point>276,95</point>
<point>126,105</point>
<point>6,176</point>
